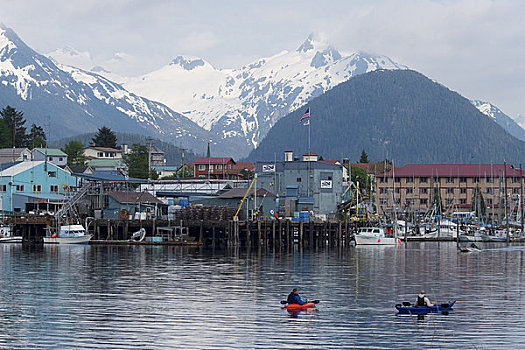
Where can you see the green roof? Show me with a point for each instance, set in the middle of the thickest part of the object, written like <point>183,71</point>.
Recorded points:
<point>104,162</point>
<point>54,152</point>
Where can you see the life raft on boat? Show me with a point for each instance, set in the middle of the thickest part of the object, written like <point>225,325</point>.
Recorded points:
<point>297,307</point>
<point>409,309</point>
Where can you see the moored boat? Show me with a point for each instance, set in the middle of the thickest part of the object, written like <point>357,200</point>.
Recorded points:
<point>68,234</point>
<point>6,235</point>
<point>374,236</point>
<point>409,309</point>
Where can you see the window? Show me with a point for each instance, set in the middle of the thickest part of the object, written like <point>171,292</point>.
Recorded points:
<point>382,179</point>
<point>515,179</point>
<point>450,180</point>
<point>489,200</point>
<point>423,201</point>
<point>52,173</point>
<point>450,201</point>
<point>60,159</point>
<point>423,179</point>
<point>202,167</point>
<point>229,166</point>
<point>450,190</point>
<point>410,179</point>
<point>100,154</point>
<point>462,179</point>
<point>383,201</point>
<point>397,201</point>
<point>3,188</point>
<point>409,190</point>
<point>489,190</point>
<point>397,179</point>
<point>37,188</point>
<point>298,179</point>
<point>423,190</point>
<point>463,190</point>
<point>462,201</point>
<point>20,188</point>
<point>53,188</point>
<point>476,179</point>
<point>398,190</point>
<point>490,179</point>
<point>515,190</point>
<point>382,190</point>
<point>219,166</point>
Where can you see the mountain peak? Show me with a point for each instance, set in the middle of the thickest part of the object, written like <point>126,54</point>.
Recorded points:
<point>188,62</point>
<point>313,43</point>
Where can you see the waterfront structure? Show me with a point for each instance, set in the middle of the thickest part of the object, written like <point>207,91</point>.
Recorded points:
<point>140,205</point>
<point>34,186</point>
<point>412,187</point>
<point>165,170</point>
<point>14,154</point>
<point>302,185</point>
<point>52,155</point>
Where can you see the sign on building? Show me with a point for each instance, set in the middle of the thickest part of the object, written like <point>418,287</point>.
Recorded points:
<point>326,183</point>
<point>268,168</point>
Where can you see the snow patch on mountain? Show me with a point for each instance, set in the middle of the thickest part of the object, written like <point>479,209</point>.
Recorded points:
<point>512,126</point>
<point>244,103</point>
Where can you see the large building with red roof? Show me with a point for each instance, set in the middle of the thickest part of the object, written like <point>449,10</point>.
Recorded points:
<point>221,168</point>
<point>412,186</point>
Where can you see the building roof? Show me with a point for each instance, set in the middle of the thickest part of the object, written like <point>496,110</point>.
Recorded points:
<point>21,167</point>
<point>298,165</point>
<point>104,162</point>
<point>454,170</point>
<point>8,152</point>
<point>77,168</point>
<point>54,152</point>
<point>103,149</point>
<point>109,176</point>
<point>331,161</point>
<point>134,197</point>
<point>6,165</point>
<point>240,192</point>
<point>155,149</point>
<point>310,154</point>
<point>213,160</point>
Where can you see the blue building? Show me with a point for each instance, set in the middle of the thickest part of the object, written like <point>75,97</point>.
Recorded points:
<point>303,185</point>
<point>34,186</point>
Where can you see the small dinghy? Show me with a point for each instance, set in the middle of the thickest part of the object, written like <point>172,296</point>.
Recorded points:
<point>408,309</point>
<point>297,307</point>
<point>138,236</point>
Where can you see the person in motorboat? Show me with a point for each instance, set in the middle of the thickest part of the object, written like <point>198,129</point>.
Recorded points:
<point>422,299</point>
<point>294,298</point>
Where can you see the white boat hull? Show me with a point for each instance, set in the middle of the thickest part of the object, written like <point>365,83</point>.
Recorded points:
<point>370,240</point>
<point>11,239</point>
<point>68,240</point>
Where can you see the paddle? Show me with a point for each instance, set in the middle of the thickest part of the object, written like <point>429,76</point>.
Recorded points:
<point>310,301</point>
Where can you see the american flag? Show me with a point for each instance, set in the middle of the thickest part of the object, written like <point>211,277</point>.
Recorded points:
<point>306,115</point>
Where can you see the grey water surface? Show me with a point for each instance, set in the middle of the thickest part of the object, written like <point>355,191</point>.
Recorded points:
<point>166,297</point>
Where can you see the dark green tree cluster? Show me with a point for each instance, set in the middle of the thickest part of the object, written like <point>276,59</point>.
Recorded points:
<point>13,131</point>
<point>75,153</point>
<point>358,174</point>
<point>105,137</point>
<point>138,165</point>
<point>436,202</point>
<point>478,203</point>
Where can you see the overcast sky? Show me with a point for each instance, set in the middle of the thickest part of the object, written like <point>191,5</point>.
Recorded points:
<point>475,47</point>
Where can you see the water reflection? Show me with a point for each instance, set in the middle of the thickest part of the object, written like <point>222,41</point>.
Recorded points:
<point>175,297</point>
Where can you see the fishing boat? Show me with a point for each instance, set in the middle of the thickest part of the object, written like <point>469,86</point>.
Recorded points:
<point>374,236</point>
<point>408,309</point>
<point>68,234</point>
<point>6,235</point>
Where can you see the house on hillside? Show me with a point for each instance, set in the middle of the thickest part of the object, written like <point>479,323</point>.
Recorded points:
<point>156,156</point>
<point>213,167</point>
<point>14,154</point>
<point>115,165</point>
<point>52,155</point>
<point>34,186</point>
<point>95,152</point>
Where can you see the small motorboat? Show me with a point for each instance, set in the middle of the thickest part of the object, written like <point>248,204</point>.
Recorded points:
<point>408,309</point>
<point>297,307</point>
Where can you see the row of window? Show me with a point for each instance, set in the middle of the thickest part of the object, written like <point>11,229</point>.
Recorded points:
<point>515,179</point>
<point>488,190</point>
<point>106,154</point>
<point>36,188</point>
<point>217,167</point>
<point>424,201</point>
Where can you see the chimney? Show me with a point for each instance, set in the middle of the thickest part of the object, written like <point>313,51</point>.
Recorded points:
<point>124,148</point>
<point>288,156</point>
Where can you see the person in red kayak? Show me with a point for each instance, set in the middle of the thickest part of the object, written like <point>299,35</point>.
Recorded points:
<point>294,298</point>
<point>422,299</point>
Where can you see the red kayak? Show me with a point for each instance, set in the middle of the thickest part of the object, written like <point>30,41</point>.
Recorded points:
<point>297,307</point>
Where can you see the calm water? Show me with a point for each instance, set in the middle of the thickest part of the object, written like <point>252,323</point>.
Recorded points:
<point>118,297</point>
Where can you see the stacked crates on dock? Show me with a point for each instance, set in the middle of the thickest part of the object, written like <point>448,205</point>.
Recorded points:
<point>301,216</point>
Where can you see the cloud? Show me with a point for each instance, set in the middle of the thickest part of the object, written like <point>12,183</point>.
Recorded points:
<point>199,42</point>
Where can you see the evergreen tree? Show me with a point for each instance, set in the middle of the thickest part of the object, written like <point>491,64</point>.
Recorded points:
<point>14,122</point>
<point>75,153</point>
<point>37,137</point>
<point>105,137</point>
<point>359,175</point>
<point>5,140</point>
<point>137,162</point>
<point>436,201</point>
<point>364,157</point>
<point>478,203</point>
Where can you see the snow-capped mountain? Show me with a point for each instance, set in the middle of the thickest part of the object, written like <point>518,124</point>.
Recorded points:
<point>241,105</point>
<point>501,118</point>
<point>69,101</point>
